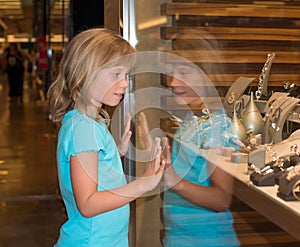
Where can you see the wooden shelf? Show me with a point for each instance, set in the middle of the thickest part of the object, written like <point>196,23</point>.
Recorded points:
<point>241,34</point>
<point>264,199</point>
<point>248,10</point>
<point>204,56</point>
<point>231,33</point>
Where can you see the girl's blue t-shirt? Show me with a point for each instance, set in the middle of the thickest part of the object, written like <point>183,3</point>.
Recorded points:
<point>80,133</point>
<point>187,224</point>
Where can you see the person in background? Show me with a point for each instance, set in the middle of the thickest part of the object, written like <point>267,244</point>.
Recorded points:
<point>91,74</point>
<point>15,71</point>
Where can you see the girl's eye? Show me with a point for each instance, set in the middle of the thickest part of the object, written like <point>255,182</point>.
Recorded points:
<point>116,74</point>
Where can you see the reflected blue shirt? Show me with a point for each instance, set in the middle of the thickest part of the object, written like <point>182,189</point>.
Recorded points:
<point>187,224</point>
<point>79,133</point>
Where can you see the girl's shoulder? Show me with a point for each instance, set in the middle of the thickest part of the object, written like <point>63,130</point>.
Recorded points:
<point>75,120</point>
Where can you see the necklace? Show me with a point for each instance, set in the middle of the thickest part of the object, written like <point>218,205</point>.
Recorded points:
<point>264,76</point>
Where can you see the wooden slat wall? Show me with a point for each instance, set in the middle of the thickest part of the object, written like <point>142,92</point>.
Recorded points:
<point>245,32</point>
<point>254,230</point>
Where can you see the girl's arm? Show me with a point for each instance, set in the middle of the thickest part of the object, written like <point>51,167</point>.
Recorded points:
<point>215,197</point>
<point>91,202</point>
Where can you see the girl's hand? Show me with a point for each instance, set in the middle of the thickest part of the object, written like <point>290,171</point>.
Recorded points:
<point>172,180</point>
<point>154,169</point>
<point>143,132</point>
<point>124,142</point>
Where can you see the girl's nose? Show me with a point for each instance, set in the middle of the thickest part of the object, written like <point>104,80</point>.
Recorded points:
<point>174,82</point>
<point>124,83</point>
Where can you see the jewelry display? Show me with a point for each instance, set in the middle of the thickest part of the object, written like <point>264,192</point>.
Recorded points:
<point>287,85</point>
<point>280,168</point>
<point>237,127</point>
<point>235,91</point>
<point>294,148</point>
<point>296,190</point>
<point>263,177</point>
<point>272,117</point>
<point>264,77</point>
<point>252,118</point>
<point>283,148</point>
<point>294,172</point>
<point>278,118</point>
<point>257,158</point>
<point>231,98</point>
<point>274,97</point>
<point>281,164</point>
<point>292,89</point>
<point>289,186</point>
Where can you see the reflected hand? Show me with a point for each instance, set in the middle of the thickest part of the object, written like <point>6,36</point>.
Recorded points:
<point>172,180</point>
<point>143,132</point>
<point>125,139</point>
<point>154,169</point>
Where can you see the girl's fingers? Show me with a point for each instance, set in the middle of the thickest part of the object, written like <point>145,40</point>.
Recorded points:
<point>166,151</point>
<point>157,161</point>
<point>156,149</point>
<point>143,123</point>
<point>128,122</point>
<point>127,136</point>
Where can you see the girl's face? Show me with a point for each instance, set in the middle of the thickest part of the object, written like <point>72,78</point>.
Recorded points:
<point>109,86</point>
<point>181,82</point>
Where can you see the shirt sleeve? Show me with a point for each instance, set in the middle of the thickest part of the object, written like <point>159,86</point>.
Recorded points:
<point>87,136</point>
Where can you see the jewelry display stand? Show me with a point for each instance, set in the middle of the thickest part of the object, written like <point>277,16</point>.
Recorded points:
<point>257,157</point>
<point>286,189</point>
<point>274,96</point>
<point>272,173</point>
<point>263,179</point>
<point>283,148</point>
<point>275,128</point>
<point>235,91</point>
<point>273,107</point>
<point>279,176</point>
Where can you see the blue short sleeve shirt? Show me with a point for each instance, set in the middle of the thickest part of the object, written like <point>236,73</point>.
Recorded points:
<point>80,133</point>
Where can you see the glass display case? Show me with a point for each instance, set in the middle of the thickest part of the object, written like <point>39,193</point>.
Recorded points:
<point>242,47</point>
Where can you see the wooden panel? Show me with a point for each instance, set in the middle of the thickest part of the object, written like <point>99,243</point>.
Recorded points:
<point>274,79</point>
<point>243,33</point>
<point>231,33</point>
<point>279,215</point>
<point>249,10</point>
<point>199,56</point>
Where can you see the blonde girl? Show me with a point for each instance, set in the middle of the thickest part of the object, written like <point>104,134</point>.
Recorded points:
<point>92,73</point>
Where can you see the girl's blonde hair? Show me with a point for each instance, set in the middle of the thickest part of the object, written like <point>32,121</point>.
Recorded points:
<point>85,55</point>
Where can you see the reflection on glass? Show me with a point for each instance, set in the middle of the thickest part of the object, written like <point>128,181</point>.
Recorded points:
<point>198,196</point>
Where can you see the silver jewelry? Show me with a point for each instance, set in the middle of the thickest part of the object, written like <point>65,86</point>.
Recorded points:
<point>294,172</point>
<point>264,76</point>
<point>231,98</point>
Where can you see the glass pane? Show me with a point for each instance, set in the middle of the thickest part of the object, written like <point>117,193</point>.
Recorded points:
<point>199,63</point>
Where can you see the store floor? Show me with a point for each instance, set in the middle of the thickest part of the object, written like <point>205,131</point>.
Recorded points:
<point>31,211</point>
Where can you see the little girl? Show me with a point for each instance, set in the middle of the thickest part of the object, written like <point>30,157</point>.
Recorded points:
<point>92,73</point>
